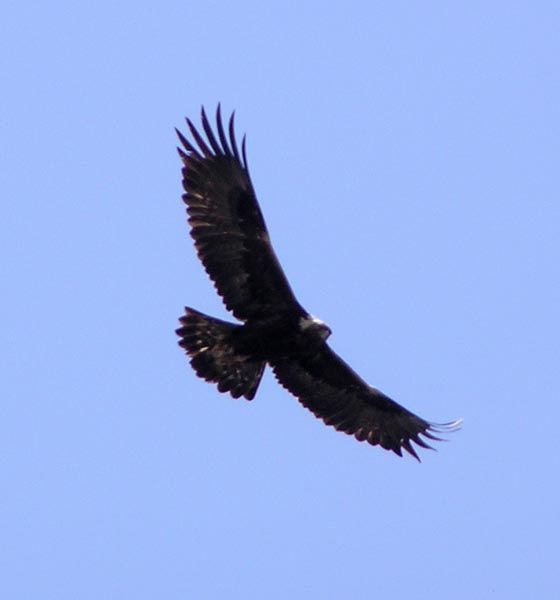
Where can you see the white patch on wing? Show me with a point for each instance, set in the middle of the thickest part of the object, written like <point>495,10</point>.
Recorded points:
<point>310,321</point>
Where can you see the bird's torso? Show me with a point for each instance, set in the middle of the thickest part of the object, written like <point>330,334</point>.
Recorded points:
<point>280,335</point>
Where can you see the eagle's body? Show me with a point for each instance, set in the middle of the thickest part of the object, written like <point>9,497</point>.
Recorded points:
<point>233,244</point>
<point>282,335</point>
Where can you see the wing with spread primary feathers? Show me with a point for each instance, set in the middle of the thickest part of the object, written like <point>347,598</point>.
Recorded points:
<point>227,225</point>
<point>332,391</point>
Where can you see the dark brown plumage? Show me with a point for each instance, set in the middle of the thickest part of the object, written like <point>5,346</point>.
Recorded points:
<point>232,242</point>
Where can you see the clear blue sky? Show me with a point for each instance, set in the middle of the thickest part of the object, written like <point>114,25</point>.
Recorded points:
<point>406,157</point>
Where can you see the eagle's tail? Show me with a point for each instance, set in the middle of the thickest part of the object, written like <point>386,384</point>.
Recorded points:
<point>208,342</point>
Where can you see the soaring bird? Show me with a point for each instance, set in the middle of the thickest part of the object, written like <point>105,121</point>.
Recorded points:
<point>233,244</point>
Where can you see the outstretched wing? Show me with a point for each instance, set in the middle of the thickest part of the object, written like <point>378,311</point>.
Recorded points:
<point>227,225</point>
<point>332,391</point>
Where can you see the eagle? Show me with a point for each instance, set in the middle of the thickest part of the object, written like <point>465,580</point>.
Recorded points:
<point>232,241</point>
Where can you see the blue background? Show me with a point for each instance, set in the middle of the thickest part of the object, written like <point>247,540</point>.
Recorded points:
<point>405,155</point>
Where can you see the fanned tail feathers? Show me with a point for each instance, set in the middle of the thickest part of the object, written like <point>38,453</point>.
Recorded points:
<point>208,343</point>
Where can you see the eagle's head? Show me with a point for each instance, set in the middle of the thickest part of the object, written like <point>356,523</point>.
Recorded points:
<point>315,326</point>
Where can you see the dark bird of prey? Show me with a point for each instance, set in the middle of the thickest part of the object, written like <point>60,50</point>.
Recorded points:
<point>232,241</point>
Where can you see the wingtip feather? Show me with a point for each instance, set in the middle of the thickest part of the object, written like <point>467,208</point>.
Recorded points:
<point>244,151</point>
<point>221,133</point>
